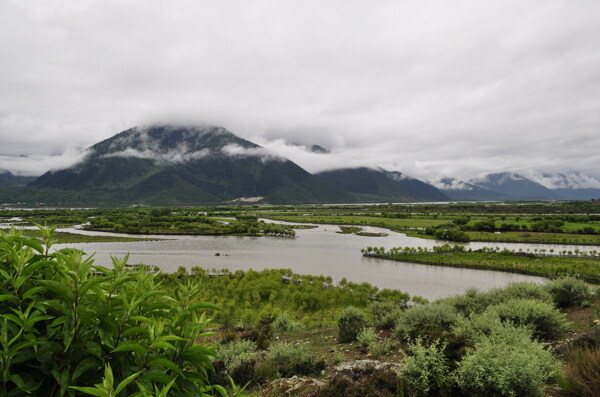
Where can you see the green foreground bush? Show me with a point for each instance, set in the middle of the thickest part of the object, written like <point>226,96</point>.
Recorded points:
<point>351,322</point>
<point>506,363</point>
<point>64,319</point>
<point>426,321</point>
<point>569,291</point>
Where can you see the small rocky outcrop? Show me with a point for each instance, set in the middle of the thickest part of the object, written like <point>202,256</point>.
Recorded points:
<point>291,387</point>
<point>351,369</point>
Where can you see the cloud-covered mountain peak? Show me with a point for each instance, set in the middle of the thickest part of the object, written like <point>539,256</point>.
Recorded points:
<point>573,180</point>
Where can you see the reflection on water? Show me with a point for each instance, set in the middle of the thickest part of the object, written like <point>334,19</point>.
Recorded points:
<point>314,251</point>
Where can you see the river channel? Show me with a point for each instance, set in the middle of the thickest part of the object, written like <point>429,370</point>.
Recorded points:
<point>318,251</point>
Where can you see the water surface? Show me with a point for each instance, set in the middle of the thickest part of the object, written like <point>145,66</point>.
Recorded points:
<point>319,251</point>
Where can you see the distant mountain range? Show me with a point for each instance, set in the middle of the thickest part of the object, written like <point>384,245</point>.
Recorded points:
<point>178,165</point>
<point>8,179</point>
<point>381,185</point>
<point>190,165</point>
<point>511,186</point>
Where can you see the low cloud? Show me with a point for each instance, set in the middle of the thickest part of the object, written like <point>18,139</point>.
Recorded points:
<point>174,156</point>
<point>238,151</point>
<point>573,180</point>
<point>34,165</point>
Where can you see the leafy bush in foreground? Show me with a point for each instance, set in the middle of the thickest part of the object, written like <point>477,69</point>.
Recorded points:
<point>474,301</point>
<point>546,322</point>
<point>569,291</point>
<point>384,314</point>
<point>351,322</point>
<point>426,369</point>
<point>426,320</point>
<point>366,336</point>
<point>506,363</point>
<point>293,359</point>
<point>65,319</point>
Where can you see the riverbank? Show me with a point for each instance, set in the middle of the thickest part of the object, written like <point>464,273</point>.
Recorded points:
<point>587,268</point>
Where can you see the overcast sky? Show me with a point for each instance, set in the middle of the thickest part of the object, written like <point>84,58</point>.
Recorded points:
<point>455,88</point>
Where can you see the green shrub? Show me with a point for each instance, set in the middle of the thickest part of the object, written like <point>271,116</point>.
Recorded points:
<point>569,291</point>
<point>284,323</point>
<point>476,302</point>
<point>384,314</point>
<point>472,301</point>
<point>520,291</point>
<point>366,336</point>
<point>383,347</point>
<point>581,376</point>
<point>506,363</point>
<point>64,319</point>
<point>238,351</point>
<point>426,369</point>
<point>350,323</point>
<point>426,321</point>
<point>294,359</point>
<point>546,321</point>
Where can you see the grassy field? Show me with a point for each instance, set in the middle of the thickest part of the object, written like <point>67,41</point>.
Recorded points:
<point>536,238</point>
<point>587,268</point>
<point>72,238</point>
<point>390,223</point>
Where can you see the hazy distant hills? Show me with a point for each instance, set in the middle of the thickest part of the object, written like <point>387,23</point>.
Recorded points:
<point>177,165</point>
<point>511,186</point>
<point>8,179</point>
<point>190,165</point>
<point>381,185</point>
<point>514,186</point>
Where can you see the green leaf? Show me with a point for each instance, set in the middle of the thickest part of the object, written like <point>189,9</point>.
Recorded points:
<point>32,291</point>
<point>91,390</point>
<point>13,318</point>
<point>163,345</point>
<point>166,363</point>
<point>92,283</point>
<point>8,297</point>
<point>135,331</point>
<point>33,243</point>
<point>59,289</point>
<point>85,365</point>
<point>204,306</point>
<point>125,382</point>
<point>141,318</point>
<point>19,281</point>
<point>130,346</point>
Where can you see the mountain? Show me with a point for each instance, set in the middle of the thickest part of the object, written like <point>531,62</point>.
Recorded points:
<point>515,186</point>
<point>380,185</point>
<point>318,149</point>
<point>572,186</point>
<point>424,191</point>
<point>165,164</point>
<point>7,178</point>
<point>459,190</point>
<point>312,148</point>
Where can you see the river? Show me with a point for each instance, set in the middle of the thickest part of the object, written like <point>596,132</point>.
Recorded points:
<point>318,251</point>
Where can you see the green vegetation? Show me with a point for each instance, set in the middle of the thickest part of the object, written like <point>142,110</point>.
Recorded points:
<point>351,324</point>
<point>182,221</point>
<point>552,223</point>
<point>69,327</point>
<point>67,324</point>
<point>581,264</point>
<point>72,238</point>
<point>246,297</point>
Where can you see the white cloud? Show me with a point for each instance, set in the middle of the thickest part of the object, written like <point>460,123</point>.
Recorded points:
<point>573,180</point>
<point>456,88</point>
<point>265,155</point>
<point>174,156</point>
